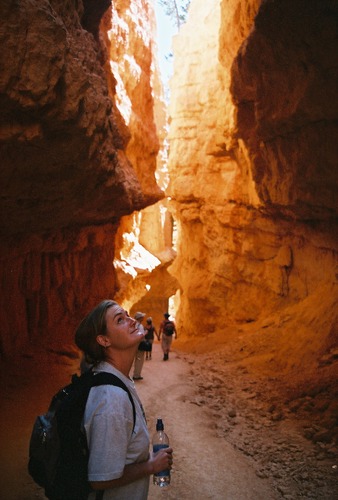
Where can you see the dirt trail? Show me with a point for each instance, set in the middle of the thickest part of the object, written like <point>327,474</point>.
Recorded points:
<point>218,455</point>
<point>205,466</point>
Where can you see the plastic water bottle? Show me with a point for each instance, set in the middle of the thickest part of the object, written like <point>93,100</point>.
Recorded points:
<point>161,440</point>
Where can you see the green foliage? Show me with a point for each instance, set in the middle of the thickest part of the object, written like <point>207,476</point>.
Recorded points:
<point>177,10</point>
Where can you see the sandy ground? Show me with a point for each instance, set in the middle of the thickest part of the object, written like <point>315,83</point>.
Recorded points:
<point>205,465</point>
<point>227,444</point>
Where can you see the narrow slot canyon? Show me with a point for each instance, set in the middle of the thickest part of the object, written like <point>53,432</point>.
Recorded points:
<point>214,199</point>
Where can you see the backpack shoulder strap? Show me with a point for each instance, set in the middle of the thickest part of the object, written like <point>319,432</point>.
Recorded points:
<point>105,378</point>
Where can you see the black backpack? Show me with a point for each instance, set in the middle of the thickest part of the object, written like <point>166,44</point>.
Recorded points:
<point>58,451</point>
<point>168,328</point>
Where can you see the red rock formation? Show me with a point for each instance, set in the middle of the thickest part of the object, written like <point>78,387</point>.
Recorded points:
<point>252,162</point>
<point>65,168</point>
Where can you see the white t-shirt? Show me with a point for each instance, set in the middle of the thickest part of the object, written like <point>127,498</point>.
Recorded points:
<point>108,420</point>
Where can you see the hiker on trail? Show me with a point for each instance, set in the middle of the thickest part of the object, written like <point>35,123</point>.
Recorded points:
<point>167,329</point>
<point>139,358</point>
<point>119,460</point>
<point>150,330</point>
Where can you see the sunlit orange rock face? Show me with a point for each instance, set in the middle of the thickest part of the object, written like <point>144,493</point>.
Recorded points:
<point>143,244</point>
<point>66,175</point>
<point>253,164</point>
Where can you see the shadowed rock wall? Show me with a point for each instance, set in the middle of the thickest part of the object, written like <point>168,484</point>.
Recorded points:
<point>66,174</point>
<point>284,86</point>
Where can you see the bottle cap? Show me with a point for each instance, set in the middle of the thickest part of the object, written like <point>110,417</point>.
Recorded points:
<point>159,425</point>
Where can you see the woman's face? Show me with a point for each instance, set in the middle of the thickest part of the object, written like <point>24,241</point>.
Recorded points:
<point>122,331</point>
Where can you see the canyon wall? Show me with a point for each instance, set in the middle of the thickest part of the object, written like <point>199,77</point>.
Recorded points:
<point>253,169</point>
<point>253,165</point>
<point>72,165</point>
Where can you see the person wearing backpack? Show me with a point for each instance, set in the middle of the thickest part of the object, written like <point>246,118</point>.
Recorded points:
<point>167,330</point>
<point>119,463</point>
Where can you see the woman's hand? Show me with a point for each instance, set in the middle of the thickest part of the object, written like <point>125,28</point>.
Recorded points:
<point>157,462</point>
<point>161,460</point>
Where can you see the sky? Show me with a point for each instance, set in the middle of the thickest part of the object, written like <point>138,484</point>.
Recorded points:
<point>165,29</point>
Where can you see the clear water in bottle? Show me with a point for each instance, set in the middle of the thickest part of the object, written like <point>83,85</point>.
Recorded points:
<point>162,478</point>
<point>161,440</point>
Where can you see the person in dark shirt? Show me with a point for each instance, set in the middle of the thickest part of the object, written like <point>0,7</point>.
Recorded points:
<point>168,330</point>
<point>149,337</point>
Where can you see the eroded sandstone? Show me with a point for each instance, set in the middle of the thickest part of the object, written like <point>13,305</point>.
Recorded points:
<point>253,134</point>
<point>253,181</point>
<point>72,165</point>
